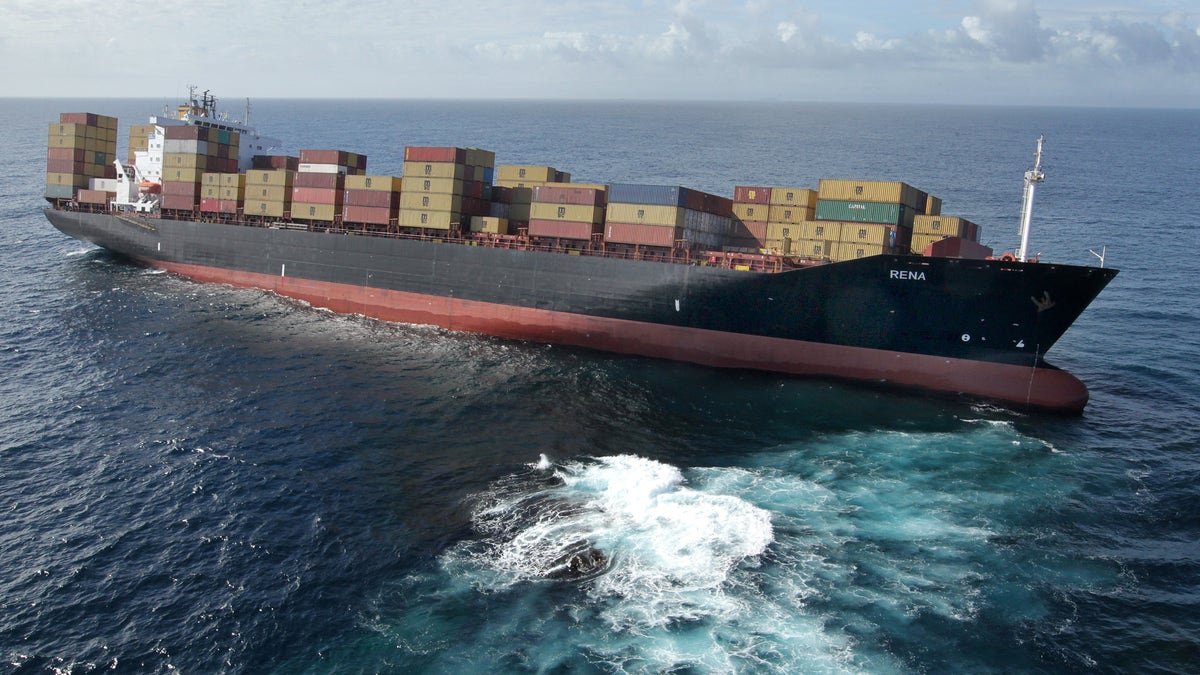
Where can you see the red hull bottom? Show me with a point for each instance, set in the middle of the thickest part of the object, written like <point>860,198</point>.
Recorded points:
<point>1023,386</point>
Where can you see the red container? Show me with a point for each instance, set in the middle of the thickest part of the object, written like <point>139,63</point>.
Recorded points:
<point>414,153</point>
<point>755,229</point>
<point>717,205</point>
<point>89,119</point>
<point>636,233</point>
<point>274,162</point>
<point>374,215</point>
<point>746,194</point>
<point>227,206</point>
<point>328,181</point>
<point>64,166</point>
<point>210,205</point>
<point>373,198</point>
<point>179,202</point>
<point>554,194</point>
<point>185,133</point>
<point>309,195</point>
<point>69,154</point>
<point>562,229</point>
<point>181,189</point>
<point>692,199</point>
<point>94,196</point>
<point>956,247</point>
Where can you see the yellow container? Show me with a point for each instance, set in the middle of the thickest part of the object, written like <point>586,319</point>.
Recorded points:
<point>933,206</point>
<point>264,207</point>
<point>235,180</point>
<point>751,211</point>
<point>72,179</point>
<point>433,170</point>
<point>780,231</point>
<point>813,249</point>
<point>280,177</point>
<point>268,193</point>
<point>855,250</point>
<point>68,130</point>
<point>575,213</point>
<point>307,211</point>
<point>789,214</point>
<point>786,196</point>
<point>210,192</point>
<point>185,175</point>
<point>646,214</point>
<point>943,226</point>
<point>430,201</point>
<point>489,224</point>
<point>822,230</point>
<point>519,184</point>
<point>920,241</point>
<point>233,193</point>
<point>211,179</point>
<point>888,192</point>
<point>374,183</point>
<point>437,220</point>
<point>525,173</point>
<point>865,233</point>
<point>445,186</point>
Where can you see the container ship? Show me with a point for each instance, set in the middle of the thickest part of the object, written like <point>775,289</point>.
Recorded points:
<point>857,280</point>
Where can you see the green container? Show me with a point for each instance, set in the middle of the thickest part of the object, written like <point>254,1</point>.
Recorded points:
<point>864,212</point>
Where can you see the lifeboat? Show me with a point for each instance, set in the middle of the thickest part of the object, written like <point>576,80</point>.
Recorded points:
<point>150,187</point>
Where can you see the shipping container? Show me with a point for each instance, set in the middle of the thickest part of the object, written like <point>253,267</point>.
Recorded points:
<point>574,212</point>
<point>269,193</point>
<point>790,214</point>
<point>182,175</point>
<point>436,220</point>
<point>181,188</point>
<point>71,179</point>
<point>274,162</point>
<point>235,193</point>
<point>414,153</point>
<point>820,230</point>
<point>753,229</point>
<point>933,206</point>
<point>373,215</point>
<point>229,205</point>
<point>87,196</point>
<point>560,194</point>
<point>562,229</point>
<point>434,170</point>
<point>373,198</point>
<point>744,194</point>
<point>856,250</point>
<point>888,192</point>
<point>337,158</point>
<point>812,249</point>
<point>233,180</point>
<point>210,191</point>
<point>489,224</point>
<point>431,201</point>
<point>211,178</point>
<point>950,226</point>
<point>865,212</point>
<point>327,181</point>
<point>793,196</point>
<point>68,154</point>
<point>519,211</point>
<point>645,235</point>
<point>210,205</point>
<point>376,183</point>
<point>526,173</point>
<point>646,214</point>
<point>265,208</point>
<point>179,202</point>
<point>956,247</point>
<point>60,191</point>
<point>310,195</point>
<point>662,195</point>
<point>276,177</point>
<point>446,186</point>
<point>750,211</point>
<point>312,211</point>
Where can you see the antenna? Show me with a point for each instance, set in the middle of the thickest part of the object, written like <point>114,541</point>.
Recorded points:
<point>1032,178</point>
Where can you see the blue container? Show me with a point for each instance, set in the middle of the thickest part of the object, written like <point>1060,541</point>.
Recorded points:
<point>662,195</point>
<point>489,175</point>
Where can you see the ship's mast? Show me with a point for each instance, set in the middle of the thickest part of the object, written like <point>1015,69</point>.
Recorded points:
<point>1032,178</point>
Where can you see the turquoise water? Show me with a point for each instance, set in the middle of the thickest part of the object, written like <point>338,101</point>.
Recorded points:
<point>206,479</point>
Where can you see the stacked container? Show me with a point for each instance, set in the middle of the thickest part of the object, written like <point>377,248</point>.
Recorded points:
<point>519,180</point>
<point>80,147</point>
<point>139,140</point>
<point>318,188</point>
<point>444,186</point>
<point>222,192</point>
<point>565,211</point>
<point>873,217</point>
<point>772,217</point>
<point>188,153</point>
<point>930,228</point>
<point>372,200</point>
<point>667,216</point>
<point>269,192</point>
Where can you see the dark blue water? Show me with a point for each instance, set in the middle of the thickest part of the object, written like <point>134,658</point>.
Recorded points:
<point>197,478</point>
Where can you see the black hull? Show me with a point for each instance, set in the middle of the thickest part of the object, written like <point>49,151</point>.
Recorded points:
<point>948,320</point>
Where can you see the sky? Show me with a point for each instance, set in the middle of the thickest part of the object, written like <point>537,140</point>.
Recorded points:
<point>980,52</point>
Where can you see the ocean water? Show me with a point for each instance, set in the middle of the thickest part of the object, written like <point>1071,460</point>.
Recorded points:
<point>196,478</point>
